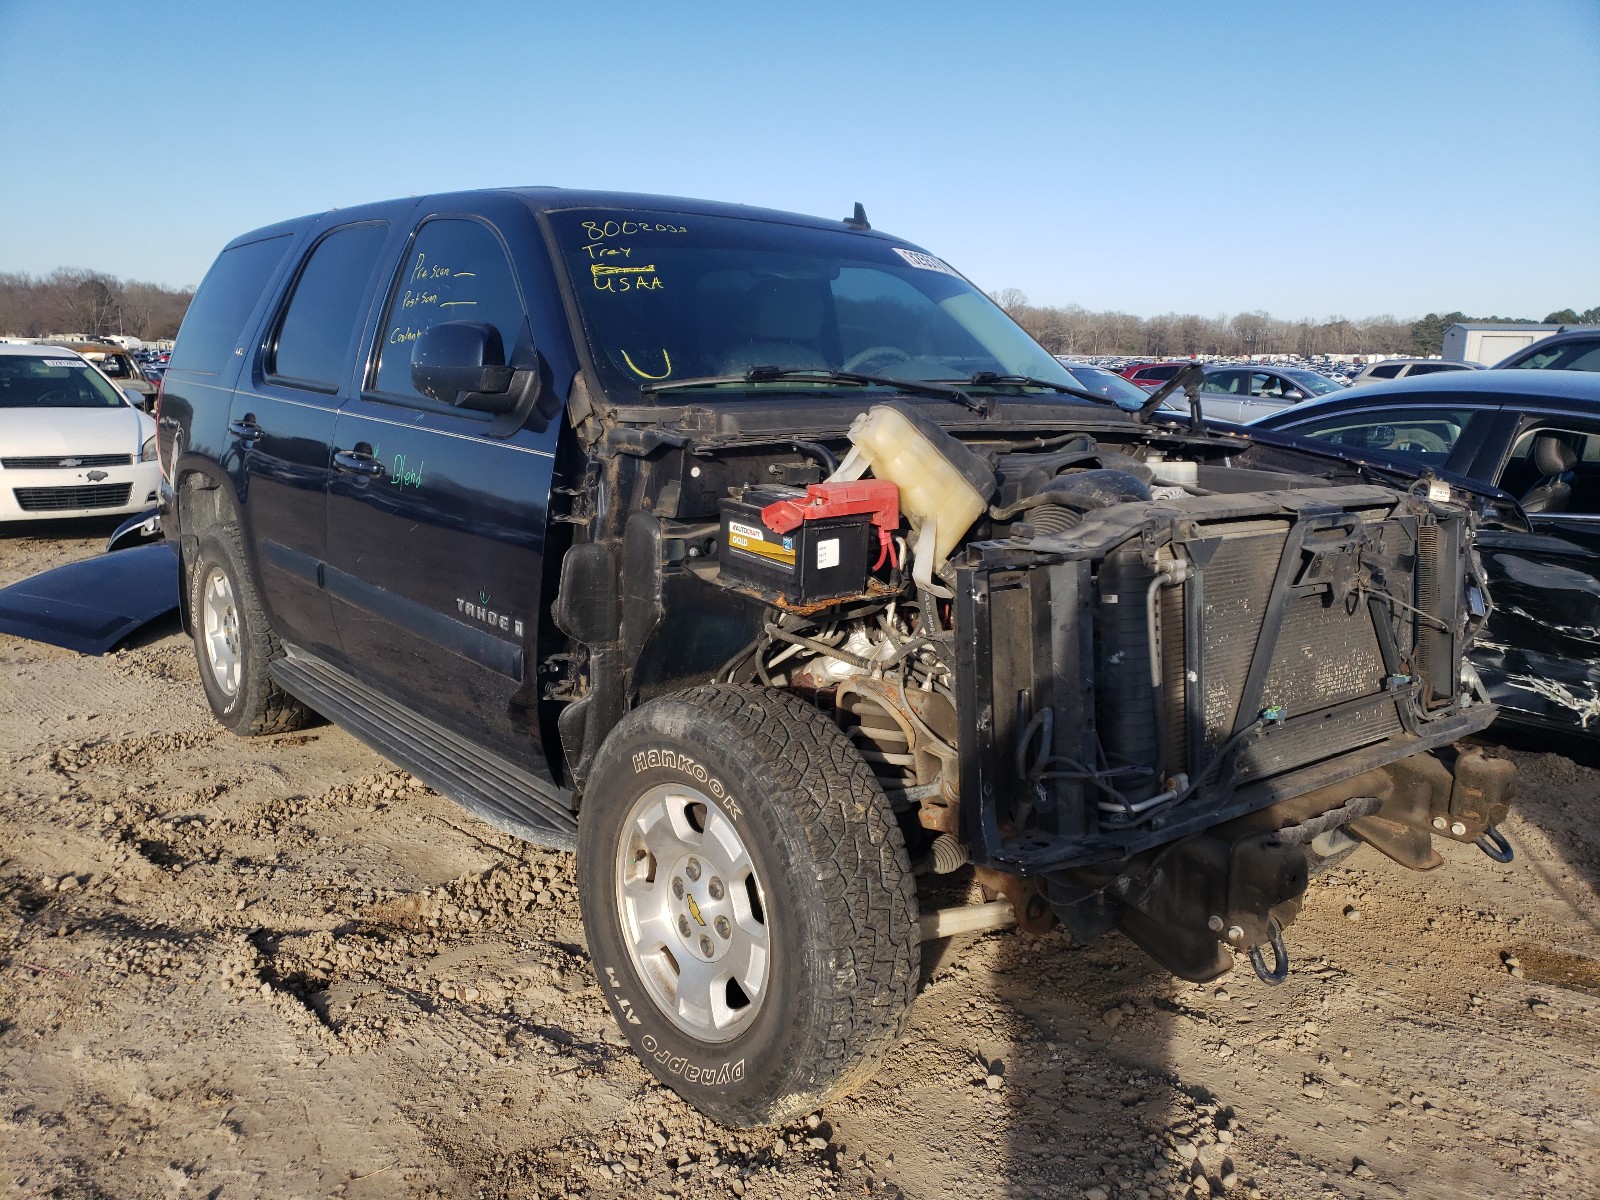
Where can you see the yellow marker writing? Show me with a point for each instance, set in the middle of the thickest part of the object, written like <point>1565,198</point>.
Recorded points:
<point>646,374</point>
<point>600,269</point>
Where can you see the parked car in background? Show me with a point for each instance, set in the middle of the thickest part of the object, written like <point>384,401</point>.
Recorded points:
<point>1407,368</point>
<point>1574,350</point>
<point>71,444</point>
<point>1150,375</point>
<point>117,365</point>
<point>1245,393</point>
<point>1536,435</point>
<point>1107,383</point>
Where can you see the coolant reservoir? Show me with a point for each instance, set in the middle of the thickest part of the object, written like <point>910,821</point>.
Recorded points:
<point>944,487</point>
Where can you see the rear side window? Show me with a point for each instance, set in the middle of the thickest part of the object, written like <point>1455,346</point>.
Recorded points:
<point>319,325</point>
<point>1226,382</point>
<point>457,270</point>
<point>214,324</point>
<point>1388,371</point>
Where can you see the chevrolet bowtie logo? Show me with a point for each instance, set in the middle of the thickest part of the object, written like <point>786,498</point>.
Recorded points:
<point>694,911</point>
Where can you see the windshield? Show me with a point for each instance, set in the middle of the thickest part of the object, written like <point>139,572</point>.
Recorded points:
<point>1108,384</point>
<point>1313,383</point>
<point>31,381</point>
<point>669,296</point>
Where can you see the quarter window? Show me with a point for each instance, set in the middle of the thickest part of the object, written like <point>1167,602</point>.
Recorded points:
<point>456,270</point>
<point>214,324</point>
<point>319,326</point>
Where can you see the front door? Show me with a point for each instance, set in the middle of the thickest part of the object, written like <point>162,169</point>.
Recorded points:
<point>437,514</point>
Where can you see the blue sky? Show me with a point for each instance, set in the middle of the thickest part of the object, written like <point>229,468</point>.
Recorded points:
<point>1356,158</point>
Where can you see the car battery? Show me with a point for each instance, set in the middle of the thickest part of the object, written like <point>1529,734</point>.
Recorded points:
<point>821,558</point>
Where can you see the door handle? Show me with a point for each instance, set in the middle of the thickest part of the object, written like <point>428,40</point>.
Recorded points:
<point>246,429</point>
<point>357,463</point>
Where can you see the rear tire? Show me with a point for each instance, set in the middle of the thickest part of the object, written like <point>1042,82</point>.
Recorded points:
<point>749,904</point>
<point>234,642</point>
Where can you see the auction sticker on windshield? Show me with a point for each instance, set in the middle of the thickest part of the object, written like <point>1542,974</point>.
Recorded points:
<point>927,262</point>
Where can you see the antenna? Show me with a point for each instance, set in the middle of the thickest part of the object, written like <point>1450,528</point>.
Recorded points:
<point>859,219</point>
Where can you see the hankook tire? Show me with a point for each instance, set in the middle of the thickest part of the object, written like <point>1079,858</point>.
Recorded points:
<point>749,905</point>
<point>234,641</point>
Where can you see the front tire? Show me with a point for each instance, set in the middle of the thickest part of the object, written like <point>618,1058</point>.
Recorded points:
<point>749,904</point>
<point>234,642</point>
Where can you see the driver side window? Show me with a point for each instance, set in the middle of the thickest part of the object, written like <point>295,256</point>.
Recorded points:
<point>456,270</point>
<point>1264,384</point>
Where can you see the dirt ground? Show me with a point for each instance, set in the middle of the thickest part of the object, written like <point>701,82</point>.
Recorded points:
<point>282,968</point>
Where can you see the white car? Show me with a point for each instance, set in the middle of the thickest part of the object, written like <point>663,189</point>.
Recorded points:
<point>71,444</point>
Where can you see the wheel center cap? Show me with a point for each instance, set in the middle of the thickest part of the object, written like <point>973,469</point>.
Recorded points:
<point>703,926</point>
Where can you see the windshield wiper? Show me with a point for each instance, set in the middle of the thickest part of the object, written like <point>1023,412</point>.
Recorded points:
<point>821,375</point>
<point>992,378</point>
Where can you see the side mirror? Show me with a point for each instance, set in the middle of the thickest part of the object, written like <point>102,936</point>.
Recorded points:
<point>463,363</point>
<point>1294,394</point>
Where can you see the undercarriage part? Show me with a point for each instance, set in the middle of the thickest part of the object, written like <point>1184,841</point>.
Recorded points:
<point>1494,844</point>
<point>1238,885</point>
<point>966,918</point>
<point>1026,900</point>
<point>944,856</point>
<point>906,735</point>
<point>1280,957</point>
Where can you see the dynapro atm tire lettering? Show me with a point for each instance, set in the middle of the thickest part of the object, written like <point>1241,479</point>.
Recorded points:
<point>678,1065</point>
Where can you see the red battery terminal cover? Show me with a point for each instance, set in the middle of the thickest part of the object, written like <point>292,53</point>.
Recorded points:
<point>876,496</point>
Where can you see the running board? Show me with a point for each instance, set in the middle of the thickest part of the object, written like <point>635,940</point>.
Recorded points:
<point>483,783</point>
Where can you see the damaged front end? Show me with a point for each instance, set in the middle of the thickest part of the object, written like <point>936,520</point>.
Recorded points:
<point>1177,711</point>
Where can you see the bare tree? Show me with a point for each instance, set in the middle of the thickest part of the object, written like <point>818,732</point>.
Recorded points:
<point>1010,299</point>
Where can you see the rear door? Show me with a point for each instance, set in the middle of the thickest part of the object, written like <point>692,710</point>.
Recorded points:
<point>282,419</point>
<point>437,513</point>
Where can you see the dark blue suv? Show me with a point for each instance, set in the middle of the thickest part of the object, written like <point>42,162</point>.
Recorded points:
<point>766,561</point>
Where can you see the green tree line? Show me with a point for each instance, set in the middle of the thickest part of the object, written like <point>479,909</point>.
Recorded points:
<point>74,300</point>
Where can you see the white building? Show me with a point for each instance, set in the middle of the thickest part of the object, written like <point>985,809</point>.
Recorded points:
<point>1487,343</point>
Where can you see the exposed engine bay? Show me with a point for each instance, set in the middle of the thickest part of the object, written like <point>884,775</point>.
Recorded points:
<point>1139,680</point>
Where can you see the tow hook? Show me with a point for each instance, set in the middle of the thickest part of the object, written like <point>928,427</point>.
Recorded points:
<point>1494,844</point>
<point>1280,956</point>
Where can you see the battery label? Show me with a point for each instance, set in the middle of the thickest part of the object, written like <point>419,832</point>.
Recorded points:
<point>752,541</point>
